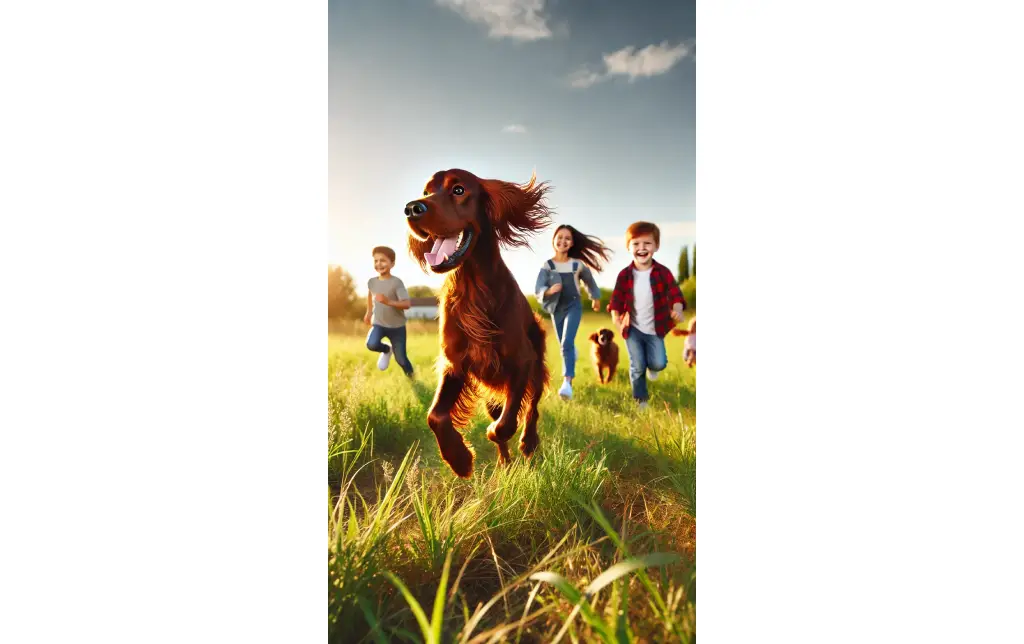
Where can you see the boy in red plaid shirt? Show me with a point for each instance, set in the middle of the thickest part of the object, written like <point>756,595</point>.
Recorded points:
<point>645,305</point>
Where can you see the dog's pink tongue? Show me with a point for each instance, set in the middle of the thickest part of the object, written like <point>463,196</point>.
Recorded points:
<point>443,248</point>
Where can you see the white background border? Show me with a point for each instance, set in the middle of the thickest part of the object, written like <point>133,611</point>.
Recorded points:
<point>162,241</point>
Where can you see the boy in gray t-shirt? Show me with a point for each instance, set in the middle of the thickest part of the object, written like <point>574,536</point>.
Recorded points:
<point>386,301</point>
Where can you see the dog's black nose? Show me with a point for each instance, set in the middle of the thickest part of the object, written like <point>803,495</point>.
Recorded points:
<point>415,209</point>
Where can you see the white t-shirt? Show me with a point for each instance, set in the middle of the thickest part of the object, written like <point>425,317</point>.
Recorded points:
<point>643,302</point>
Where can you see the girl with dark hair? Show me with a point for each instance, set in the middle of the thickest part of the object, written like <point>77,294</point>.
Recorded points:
<point>558,290</point>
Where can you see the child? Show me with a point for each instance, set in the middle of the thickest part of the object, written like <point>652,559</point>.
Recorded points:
<point>386,301</point>
<point>690,348</point>
<point>645,305</point>
<point>558,290</point>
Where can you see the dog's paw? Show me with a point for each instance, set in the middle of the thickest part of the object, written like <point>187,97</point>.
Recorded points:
<point>528,444</point>
<point>458,456</point>
<point>461,463</point>
<point>504,457</point>
<point>498,433</point>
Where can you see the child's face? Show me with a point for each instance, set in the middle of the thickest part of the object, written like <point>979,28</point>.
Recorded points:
<point>562,241</point>
<point>642,248</point>
<point>381,263</point>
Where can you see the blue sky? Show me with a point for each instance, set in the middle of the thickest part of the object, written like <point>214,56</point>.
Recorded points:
<point>596,95</point>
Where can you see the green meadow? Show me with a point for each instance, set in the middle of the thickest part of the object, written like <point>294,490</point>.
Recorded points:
<point>593,540</point>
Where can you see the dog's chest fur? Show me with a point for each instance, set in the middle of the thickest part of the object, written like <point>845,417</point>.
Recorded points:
<point>603,353</point>
<point>472,343</point>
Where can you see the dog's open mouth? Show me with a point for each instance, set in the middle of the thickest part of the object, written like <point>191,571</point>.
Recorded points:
<point>448,251</point>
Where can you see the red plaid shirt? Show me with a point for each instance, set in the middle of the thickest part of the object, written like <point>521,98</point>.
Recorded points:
<point>665,290</point>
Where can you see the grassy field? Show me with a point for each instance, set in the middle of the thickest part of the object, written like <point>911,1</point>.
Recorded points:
<point>594,540</point>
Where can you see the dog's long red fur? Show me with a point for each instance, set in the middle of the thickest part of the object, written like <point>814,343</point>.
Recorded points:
<point>492,344</point>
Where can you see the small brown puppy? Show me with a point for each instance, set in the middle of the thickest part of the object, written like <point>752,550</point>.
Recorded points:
<point>605,354</point>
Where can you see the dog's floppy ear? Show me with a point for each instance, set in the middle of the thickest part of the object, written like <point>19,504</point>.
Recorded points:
<point>515,211</point>
<point>593,336</point>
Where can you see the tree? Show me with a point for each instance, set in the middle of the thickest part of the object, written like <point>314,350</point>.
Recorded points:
<point>684,266</point>
<point>421,291</point>
<point>342,300</point>
<point>695,260</point>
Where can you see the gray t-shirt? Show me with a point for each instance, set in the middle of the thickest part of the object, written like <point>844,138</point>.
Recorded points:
<point>393,289</point>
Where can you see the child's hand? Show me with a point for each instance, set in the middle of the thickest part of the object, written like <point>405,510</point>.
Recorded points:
<point>596,305</point>
<point>368,318</point>
<point>380,297</point>
<point>554,289</point>
<point>623,323</point>
<point>677,314</point>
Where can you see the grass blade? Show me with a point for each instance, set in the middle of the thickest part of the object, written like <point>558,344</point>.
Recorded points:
<point>414,605</point>
<point>438,617</point>
<point>559,582</point>
<point>623,568</point>
<point>371,619</point>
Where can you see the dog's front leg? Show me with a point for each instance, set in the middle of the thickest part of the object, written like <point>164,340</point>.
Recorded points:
<point>453,448</point>
<point>504,428</point>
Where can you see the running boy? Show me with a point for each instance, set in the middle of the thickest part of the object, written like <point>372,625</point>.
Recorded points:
<point>645,305</point>
<point>386,301</point>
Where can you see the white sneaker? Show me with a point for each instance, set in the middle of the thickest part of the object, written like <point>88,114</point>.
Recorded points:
<point>384,360</point>
<point>652,375</point>
<point>566,391</point>
<point>642,406</point>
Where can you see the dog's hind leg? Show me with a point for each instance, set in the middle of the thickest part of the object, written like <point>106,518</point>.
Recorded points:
<point>535,389</point>
<point>611,373</point>
<point>600,373</point>
<point>452,406</point>
<point>530,440</point>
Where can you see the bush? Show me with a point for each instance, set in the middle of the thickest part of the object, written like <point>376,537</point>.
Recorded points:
<point>689,288</point>
<point>421,291</point>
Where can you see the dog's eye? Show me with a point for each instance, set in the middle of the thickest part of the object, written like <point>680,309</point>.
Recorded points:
<point>458,190</point>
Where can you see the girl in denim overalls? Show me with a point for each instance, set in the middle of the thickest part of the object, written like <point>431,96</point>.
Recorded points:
<point>559,293</point>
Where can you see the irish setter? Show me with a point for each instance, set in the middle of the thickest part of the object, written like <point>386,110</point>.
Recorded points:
<point>605,354</point>
<point>492,344</point>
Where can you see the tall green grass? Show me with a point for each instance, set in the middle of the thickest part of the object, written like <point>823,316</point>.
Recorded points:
<point>590,541</point>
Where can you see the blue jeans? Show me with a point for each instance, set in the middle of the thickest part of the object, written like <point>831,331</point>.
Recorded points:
<point>645,352</point>
<point>397,337</point>
<point>566,324</point>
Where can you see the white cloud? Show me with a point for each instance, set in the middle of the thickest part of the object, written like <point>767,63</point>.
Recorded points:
<point>585,78</point>
<point>515,128</point>
<point>516,19</point>
<point>652,60</point>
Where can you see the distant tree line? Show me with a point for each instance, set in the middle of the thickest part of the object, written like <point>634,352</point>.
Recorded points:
<point>342,301</point>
